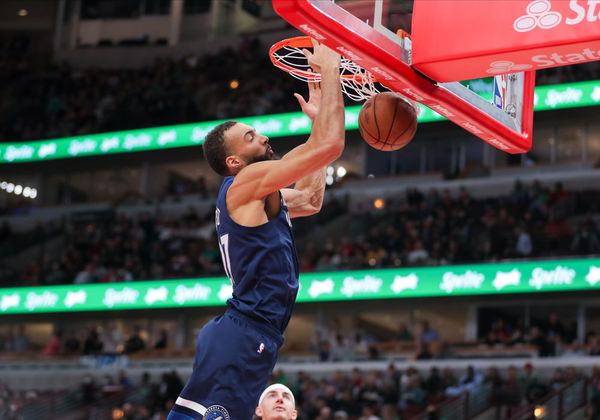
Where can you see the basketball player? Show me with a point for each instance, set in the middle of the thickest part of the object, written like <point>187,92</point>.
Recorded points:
<point>236,352</point>
<point>276,403</point>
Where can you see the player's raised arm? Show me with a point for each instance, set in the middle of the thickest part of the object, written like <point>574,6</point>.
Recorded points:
<point>306,198</point>
<point>325,144</point>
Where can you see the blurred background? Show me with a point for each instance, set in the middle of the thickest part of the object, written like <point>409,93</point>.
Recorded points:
<point>445,280</point>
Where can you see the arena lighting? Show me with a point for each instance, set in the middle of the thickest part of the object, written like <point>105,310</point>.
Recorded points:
<point>9,187</point>
<point>341,172</point>
<point>379,203</point>
<point>539,412</point>
<point>22,12</point>
<point>330,171</point>
<point>329,180</point>
<point>234,84</point>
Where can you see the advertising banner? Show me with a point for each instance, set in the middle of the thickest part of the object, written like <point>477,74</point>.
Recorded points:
<point>458,280</point>
<point>464,39</point>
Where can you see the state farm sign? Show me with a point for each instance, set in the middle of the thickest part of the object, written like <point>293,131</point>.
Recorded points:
<point>464,39</point>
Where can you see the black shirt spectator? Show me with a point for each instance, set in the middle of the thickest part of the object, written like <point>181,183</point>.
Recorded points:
<point>135,342</point>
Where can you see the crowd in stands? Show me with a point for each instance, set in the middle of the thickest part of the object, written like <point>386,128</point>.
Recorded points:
<point>98,340</point>
<point>70,102</point>
<point>438,228</point>
<point>67,101</point>
<point>342,395</point>
<point>417,229</point>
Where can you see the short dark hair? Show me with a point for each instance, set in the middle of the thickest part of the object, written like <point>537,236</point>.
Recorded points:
<point>214,148</point>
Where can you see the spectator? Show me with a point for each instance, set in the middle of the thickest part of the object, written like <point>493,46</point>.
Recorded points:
<point>494,379</point>
<point>585,241</point>
<point>530,383</point>
<point>571,374</point>
<point>20,340</point>
<point>54,346</point>
<point>413,396</point>
<point>575,349</point>
<point>111,339</point>
<point>428,334</point>
<point>555,334</point>
<point>511,390</point>
<point>523,247</point>
<point>470,379</point>
<point>135,342</point>
<point>403,333</point>
<point>92,344</point>
<point>594,346</point>
<point>434,384</point>
<point>369,393</point>
<point>423,352</point>
<point>72,344</point>
<point>162,341</point>
<point>558,380</point>
<point>339,349</point>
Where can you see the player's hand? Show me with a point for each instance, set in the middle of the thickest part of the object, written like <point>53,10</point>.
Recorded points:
<point>322,57</point>
<point>311,107</point>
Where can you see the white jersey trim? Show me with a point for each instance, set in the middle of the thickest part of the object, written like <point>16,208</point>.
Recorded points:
<point>192,405</point>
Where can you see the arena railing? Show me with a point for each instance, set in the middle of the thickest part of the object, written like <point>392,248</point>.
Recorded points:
<point>556,405</point>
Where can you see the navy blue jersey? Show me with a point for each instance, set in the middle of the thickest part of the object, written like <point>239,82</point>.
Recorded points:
<point>261,262</point>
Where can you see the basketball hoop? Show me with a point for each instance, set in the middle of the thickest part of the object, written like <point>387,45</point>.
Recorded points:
<point>357,83</point>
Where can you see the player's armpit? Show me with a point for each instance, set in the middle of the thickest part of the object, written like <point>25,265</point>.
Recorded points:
<point>260,179</point>
<point>300,203</point>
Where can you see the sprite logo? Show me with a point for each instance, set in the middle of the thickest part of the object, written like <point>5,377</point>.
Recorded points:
<point>593,276</point>
<point>9,301</point>
<point>469,280</point>
<point>404,282</point>
<point>368,284</point>
<point>43,300</point>
<point>225,292</point>
<point>75,298</point>
<point>156,295</point>
<point>321,287</point>
<point>507,278</point>
<point>184,294</point>
<point>559,276</point>
<point>114,297</point>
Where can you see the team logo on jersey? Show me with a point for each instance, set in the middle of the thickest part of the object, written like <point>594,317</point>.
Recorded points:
<point>261,348</point>
<point>216,412</point>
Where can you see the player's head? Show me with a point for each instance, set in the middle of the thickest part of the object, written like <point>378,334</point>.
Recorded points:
<point>277,403</point>
<point>231,146</point>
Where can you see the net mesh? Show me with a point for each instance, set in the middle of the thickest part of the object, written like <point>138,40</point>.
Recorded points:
<point>357,83</point>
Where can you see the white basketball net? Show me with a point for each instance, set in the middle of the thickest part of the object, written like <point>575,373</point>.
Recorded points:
<point>357,83</point>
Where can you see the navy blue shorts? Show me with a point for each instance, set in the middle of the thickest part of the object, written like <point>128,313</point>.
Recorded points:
<point>235,356</point>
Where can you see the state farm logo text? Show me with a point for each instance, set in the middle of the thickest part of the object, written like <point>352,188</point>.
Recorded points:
<point>539,15</point>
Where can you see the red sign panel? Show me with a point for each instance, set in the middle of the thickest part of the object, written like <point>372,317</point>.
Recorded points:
<point>466,39</point>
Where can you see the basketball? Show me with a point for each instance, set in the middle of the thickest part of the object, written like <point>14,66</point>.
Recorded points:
<point>387,121</point>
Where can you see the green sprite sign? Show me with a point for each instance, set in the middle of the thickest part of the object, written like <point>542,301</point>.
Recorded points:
<point>459,280</point>
<point>279,125</point>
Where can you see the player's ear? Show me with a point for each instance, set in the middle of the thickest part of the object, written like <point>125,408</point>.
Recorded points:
<point>294,414</point>
<point>259,411</point>
<point>233,162</point>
